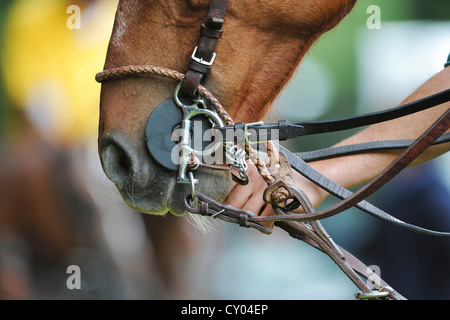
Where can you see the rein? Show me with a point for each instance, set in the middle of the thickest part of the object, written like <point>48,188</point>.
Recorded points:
<point>281,192</point>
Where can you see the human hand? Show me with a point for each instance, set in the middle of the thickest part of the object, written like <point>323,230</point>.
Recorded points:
<point>250,197</point>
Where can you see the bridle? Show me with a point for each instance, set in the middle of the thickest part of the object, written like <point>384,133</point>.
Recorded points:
<point>192,99</point>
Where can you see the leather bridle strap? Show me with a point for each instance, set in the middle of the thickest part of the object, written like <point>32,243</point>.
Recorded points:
<point>297,163</point>
<point>203,55</point>
<point>407,157</point>
<point>310,234</point>
<point>358,148</point>
<point>286,130</point>
<point>357,199</point>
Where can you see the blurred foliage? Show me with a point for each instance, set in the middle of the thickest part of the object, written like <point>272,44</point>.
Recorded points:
<point>49,68</point>
<point>422,9</point>
<point>336,50</point>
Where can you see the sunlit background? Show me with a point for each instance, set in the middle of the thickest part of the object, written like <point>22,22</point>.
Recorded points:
<point>57,209</point>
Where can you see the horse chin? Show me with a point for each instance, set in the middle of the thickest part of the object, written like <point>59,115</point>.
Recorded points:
<point>166,195</point>
<point>215,184</point>
<point>146,186</point>
<point>142,202</point>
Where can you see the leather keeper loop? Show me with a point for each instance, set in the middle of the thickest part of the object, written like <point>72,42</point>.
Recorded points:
<point>198,67</point>
<point>215,22</point>
<point>283,130</point>
<point>243,221</point>
<point>190,83</point>
<point>239,128</point>
<point>204,208</point>
<point>210,32</point>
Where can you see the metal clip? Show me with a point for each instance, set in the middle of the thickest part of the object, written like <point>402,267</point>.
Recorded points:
<point>186,151</point>
<point>247,134</point>
<point>236,157</point>
<point>194,199</point>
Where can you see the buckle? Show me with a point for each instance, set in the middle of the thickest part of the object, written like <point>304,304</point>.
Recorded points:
<point>277,195</point>
<point>372,295</point>
<point>200,60</point>
<point>247,134</point>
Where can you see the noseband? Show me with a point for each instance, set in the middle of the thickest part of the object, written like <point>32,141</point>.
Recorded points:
<point>192,100</point>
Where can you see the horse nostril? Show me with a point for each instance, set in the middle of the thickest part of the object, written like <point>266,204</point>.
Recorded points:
<point>117,162</point>
<point>119,159</point>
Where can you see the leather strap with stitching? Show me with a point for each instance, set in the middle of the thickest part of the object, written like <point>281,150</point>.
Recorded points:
<point>285,130</point>
<point>354,199</point>
<point>203,56</point>
<point>363,147</point>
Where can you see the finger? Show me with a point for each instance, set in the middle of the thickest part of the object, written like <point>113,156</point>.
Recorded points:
<point>233,185</point>
<point>267,212</point>
<point>255,203</point>
<point>241,193</point>
<point>239,196</point>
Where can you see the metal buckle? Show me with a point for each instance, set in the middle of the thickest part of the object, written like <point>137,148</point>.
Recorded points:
<point>200,60</point>
<point>186,151</point>
<point>247,134</point>
<point>194,199</point>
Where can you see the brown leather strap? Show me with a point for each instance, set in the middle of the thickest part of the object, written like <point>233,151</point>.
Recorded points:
<point>203,56</point>
<point>309,234</point>
<point>207,206</point>
<point>408,156</point>
<point>349,264</point>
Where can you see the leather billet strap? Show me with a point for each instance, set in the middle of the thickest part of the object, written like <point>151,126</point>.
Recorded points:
<point>203,55</point>
<point>207,206</point>
<point>350,199</point>
<point>285,130</point>
<point>363,147</point>
<point>357,199</point>
<point>312,234</point>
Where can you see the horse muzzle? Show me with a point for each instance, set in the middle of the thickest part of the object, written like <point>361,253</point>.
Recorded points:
<point>148,187</point>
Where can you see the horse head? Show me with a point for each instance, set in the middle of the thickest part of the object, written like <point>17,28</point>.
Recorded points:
<point>261,46</point>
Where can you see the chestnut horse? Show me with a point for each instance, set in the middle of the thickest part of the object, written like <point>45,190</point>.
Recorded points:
<point>262,45</point>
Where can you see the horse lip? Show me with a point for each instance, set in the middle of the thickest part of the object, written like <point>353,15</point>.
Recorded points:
<point>145,185</point>
<point>208,184</point>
